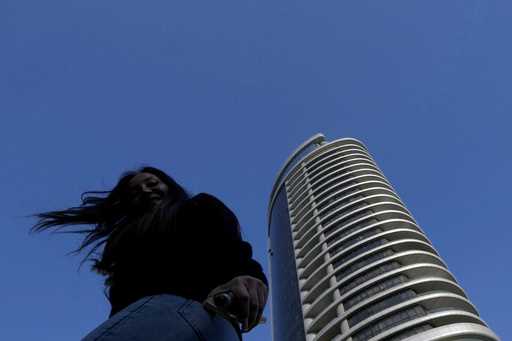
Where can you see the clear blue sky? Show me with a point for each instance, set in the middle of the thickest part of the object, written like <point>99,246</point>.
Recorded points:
<point>218,93</point>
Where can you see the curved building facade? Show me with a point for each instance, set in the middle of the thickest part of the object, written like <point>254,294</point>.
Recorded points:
<point>348,262</point>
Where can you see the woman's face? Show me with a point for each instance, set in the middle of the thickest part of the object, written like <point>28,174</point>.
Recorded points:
<point>147,189</point>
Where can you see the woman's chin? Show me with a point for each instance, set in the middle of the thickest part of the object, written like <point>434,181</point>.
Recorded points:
<point>154,202</point>
<point>143,205</point>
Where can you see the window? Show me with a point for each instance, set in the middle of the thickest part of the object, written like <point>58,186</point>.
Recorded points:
<point>375,289</point>
<point>355,239</point>
<point>381,305</point>
<point>347,220</point>
<point>386,267</point>
<point>363,262</point>
<point>366,169</point>
<point>338,213</point>
<point>345,232</point>
<point>340,195</point>
<point>360,250</point>
<point>389,322</point>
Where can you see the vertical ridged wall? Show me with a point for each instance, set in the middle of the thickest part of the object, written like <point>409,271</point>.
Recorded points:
<point>366,270</point>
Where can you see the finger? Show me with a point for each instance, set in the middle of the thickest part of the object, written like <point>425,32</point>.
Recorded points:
<point>263,292</point>
<point>262,300</point>
<point>254,306</point>
<point>240,306</point>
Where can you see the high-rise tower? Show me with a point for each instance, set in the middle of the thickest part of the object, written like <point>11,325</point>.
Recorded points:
<point>348,262</point>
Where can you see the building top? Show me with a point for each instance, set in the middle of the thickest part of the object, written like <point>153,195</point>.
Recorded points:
<point>293,161</point>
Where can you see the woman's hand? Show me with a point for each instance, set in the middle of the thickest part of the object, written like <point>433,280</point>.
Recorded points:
<point>249,298</point>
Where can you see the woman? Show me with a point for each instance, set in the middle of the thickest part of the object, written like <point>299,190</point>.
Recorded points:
<point>164,253</point>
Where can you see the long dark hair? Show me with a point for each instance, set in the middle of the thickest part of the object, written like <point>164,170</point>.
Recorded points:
<point>111,217</point>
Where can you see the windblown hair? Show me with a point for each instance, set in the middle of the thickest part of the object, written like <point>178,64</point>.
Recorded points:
<point>112,219</point>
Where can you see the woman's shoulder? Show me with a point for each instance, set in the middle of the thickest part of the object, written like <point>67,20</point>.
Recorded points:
<point>210,205</point>
<point>207,199</point>
<point>204,196</point>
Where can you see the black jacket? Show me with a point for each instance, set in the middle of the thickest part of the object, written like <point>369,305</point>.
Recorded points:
<point>206,250</point>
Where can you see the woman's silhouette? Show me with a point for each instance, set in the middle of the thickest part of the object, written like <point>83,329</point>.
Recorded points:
<point>164,252</point>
